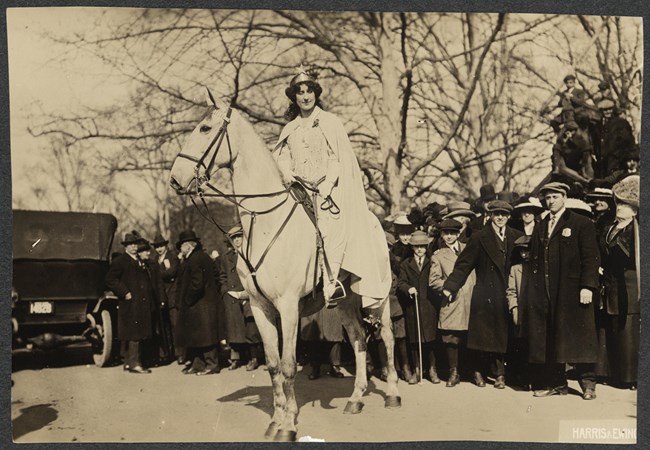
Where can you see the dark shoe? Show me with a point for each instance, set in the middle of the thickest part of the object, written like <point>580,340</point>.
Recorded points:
<point>138,369</point>
<point>433,376</point>
<point>406,373</point>
<point>252,365</point>
<point>558,390</point>
<point>500,382</point>
<point>454,378</point>
<point>335,372</point>
<point>478,379</point>
<point>189,370</point>
<point>234,365</point>
<point>208,372</point>
<point>315,373</point>
<point>413,379</point>
<point>590,394</point>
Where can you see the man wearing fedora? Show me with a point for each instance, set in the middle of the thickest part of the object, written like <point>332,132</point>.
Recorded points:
<point>197,297</point>
<point>242,334</point>
<point>488,254</point>
<point>168,262</point>
<point>130,281</point>
<point>559,320</point>
<point>414,292</point>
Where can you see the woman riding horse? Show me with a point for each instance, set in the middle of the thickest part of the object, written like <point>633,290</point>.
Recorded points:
<point>314,147</point>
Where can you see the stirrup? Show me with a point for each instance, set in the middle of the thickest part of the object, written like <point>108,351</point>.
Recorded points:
<point>338,294</point>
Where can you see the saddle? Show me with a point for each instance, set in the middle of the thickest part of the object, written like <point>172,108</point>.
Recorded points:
<point>304,193</point>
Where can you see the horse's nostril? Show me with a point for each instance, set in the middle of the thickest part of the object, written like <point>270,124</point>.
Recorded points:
<point>175,184</point>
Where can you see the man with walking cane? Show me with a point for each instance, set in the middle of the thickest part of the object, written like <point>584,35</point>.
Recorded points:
<point>420,312</point>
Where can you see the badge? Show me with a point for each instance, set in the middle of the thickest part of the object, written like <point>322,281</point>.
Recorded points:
<point>566,232</point>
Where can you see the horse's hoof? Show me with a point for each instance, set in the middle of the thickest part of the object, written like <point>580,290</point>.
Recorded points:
<point>353,408</point>
<point>271,430</point>
<point>393,401</point>
<point>285,436</point>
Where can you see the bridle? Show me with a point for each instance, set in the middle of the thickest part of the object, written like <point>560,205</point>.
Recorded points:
<point>202,181</point>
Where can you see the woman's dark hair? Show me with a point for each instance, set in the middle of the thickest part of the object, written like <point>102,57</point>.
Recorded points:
<point>293,110</point>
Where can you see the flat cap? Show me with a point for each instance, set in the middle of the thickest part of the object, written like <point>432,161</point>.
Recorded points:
<point>499,205</point>
<point>419,238</point>
<point>522,241</point>
<point>606,103</point>
<point>555,187</point>
<point>450,225</point>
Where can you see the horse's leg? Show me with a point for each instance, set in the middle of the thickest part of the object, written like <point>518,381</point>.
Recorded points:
<point>289,314</point>
<point>350,313</point>
<point>265,321</point>
<point>393,400</point>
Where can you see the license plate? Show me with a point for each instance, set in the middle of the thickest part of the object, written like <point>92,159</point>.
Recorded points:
<point>41,307</point>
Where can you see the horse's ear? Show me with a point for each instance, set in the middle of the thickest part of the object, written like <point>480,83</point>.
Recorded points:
<point>210,98</point>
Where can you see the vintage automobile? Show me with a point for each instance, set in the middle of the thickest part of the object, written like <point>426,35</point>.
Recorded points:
<point>59,298</point>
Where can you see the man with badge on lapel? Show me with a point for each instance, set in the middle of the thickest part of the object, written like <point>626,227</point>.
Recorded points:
<point>559,319</point>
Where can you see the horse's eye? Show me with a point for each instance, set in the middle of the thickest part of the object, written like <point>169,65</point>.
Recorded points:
<point>205,128</point>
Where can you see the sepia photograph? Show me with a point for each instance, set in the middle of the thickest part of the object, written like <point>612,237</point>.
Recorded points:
<point>273,225</point>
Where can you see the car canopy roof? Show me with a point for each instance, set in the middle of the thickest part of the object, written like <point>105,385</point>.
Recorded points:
<point>62,235</point>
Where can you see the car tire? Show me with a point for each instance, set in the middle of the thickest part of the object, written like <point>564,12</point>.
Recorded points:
<point>102,355</point>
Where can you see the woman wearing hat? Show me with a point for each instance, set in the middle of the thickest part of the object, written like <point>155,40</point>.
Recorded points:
<point>315,147</point>
<point>413,289</point>
<point>454,316</point>
<point>129,280</point>
<point>622,293</point>
<point>526,215</point>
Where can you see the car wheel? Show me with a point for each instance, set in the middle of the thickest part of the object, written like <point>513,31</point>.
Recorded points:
<point>102,353</point>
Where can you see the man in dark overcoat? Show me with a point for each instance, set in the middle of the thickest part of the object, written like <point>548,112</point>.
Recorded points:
<point>487,253</point>
<point>242,334</point>
<point>614,139</point>
<point>413,281</point>
<point>559,318</point>
<point>130,281</point>
<point>197,297</point>
<point>168,263</point>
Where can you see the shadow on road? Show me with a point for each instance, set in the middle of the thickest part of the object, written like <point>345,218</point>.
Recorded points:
<point>322,391</point>
<point>42,359</point>
<point>33,418</point>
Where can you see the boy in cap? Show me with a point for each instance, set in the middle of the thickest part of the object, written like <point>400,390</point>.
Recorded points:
<point>453,317</point>
<point>560,320</point>
<point>488,254</point>
<point>413,291</point>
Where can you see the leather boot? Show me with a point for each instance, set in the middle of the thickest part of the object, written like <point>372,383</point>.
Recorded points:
<point>433,375</point>
<point>408,375</point>
<point>454,378</point>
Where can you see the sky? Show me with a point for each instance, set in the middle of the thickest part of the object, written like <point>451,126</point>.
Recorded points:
<point>39,80</point>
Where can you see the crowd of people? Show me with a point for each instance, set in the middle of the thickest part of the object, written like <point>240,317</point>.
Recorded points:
<point>521,289</point>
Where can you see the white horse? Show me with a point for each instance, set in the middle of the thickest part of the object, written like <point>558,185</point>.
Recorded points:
<point>280,245</point>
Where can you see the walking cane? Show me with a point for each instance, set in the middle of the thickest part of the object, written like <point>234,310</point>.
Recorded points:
<point>417,318</point>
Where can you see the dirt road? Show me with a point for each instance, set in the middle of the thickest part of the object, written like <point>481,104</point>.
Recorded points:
<point>83,403</point>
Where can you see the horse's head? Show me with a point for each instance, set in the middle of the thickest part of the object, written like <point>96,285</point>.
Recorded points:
<point>207,149</point>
